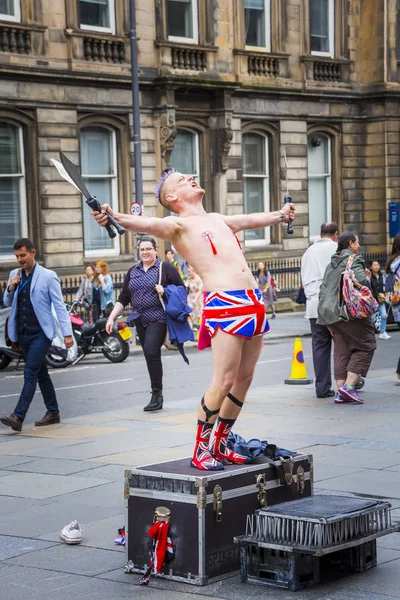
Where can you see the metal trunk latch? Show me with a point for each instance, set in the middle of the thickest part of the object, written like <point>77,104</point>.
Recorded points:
<point>300,480</point>
<point>287,470</point>
<point>261,485</point>
<point>201,495</point>
<point>128,476</point>
<point>218,503</point>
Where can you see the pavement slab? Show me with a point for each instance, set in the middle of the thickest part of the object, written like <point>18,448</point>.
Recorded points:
<point>40,486</point>
<point>64,431</point>
<point>10,461</point>
<point>371,482</point>
<point>97,534</point>
<point>77,559</point>
<point>384,579</point>
<point>52,466</point>
<point>45,518</point>
<point>20,583</point>
<point>11,546</point>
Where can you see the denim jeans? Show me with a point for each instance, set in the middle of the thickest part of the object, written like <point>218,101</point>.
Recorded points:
<point>383,315</point>
<point>34,347</point>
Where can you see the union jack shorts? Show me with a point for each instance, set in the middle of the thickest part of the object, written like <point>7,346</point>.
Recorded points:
<point>238,312</point>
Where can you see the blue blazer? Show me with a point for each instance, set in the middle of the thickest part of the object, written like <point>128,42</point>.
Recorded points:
<point>45,291</point>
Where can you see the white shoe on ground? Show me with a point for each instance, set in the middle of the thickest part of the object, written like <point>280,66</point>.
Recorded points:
<point>72,533</point>
<point>384,336</point>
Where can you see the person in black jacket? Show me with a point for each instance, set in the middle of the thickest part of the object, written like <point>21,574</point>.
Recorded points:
<point>378,291</point>
<point>142,291</point>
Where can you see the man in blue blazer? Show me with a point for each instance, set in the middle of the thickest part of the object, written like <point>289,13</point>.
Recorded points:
<point>31,292</point>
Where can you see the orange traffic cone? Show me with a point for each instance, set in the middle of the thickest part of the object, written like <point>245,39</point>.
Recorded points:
<point>298,373</point>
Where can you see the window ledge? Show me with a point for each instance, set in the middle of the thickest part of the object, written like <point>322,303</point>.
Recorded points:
<point>259,52</point>
<point>188,45</point>
<point>17,38</point>
<point>101,35</point>
<point>22,26</point>
<point>326,70</point>
<point>256,63</point>
<point>186,57</point>
<point>97,46</point>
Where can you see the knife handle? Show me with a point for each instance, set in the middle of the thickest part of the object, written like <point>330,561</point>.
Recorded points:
<point>94,204</point>
<point>287,199</point>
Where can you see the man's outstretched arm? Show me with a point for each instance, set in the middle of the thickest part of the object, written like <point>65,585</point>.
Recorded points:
<point>165,228</point>
<point>260,220</point>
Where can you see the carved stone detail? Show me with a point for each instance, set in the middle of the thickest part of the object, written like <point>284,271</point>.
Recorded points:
<point>167,136</point>
<point>224,137</point>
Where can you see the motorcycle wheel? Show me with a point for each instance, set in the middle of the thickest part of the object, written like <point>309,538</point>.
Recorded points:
<point>115,349</point>
<point>56,362</point>
<point>4,360</point>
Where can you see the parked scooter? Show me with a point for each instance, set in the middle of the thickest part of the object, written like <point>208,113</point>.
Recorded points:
<point>92,338</point>
<point>5,358</point>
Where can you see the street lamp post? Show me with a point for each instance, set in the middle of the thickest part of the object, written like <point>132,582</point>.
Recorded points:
<point>137,144</point>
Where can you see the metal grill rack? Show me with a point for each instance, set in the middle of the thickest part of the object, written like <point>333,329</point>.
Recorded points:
<point>306,532</point>
<point>297,544</point>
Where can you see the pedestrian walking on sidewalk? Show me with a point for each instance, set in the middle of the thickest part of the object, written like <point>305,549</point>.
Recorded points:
<point>195,290</point>
<point>378,291</point>
<point>353,338</point>
<point>142,289</point>
<point>103,290</point>
<point>393,267</point>
<point>31,291</point>
<point>313,265</point>
<point>85,290</point>
<point>266,287</point>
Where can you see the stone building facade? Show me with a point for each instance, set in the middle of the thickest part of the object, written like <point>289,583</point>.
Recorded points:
<point>227,88</point>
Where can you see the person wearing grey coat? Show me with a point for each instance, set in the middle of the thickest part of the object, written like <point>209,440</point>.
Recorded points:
<point>354,339</point>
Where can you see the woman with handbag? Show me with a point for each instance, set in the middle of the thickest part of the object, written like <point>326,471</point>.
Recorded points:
<point>345,305</point>
<point>143,289</point>
<point>378,292</point>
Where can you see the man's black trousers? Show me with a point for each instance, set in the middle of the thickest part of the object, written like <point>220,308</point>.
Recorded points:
<point>321,351</point>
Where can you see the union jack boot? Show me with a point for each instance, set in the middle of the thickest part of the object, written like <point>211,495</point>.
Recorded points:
<point>217,445</point>
<point>202,458</point>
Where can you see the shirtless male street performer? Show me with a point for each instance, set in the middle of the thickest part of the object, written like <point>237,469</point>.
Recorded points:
<point>234,305</point>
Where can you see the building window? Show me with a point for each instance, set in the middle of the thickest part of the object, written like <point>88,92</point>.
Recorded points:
<point>10,10</point>
<point>322,27</point>
<point>13,222</point>
<point>319,183</point>
<point>99,170</point>
<point>257,23</point>
<point>182,21</point>
<point>185,155</point>
<point>256,183</point>
<point>97,15</point>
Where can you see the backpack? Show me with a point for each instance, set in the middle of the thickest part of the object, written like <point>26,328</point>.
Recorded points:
<point>392,288</point>
<point>356,298</point>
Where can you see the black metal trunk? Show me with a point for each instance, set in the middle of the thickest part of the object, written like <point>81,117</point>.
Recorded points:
<point>207,510</point>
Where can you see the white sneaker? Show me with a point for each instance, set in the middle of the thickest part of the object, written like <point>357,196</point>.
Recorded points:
<point>72,533</point>
<point>384,336</point>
